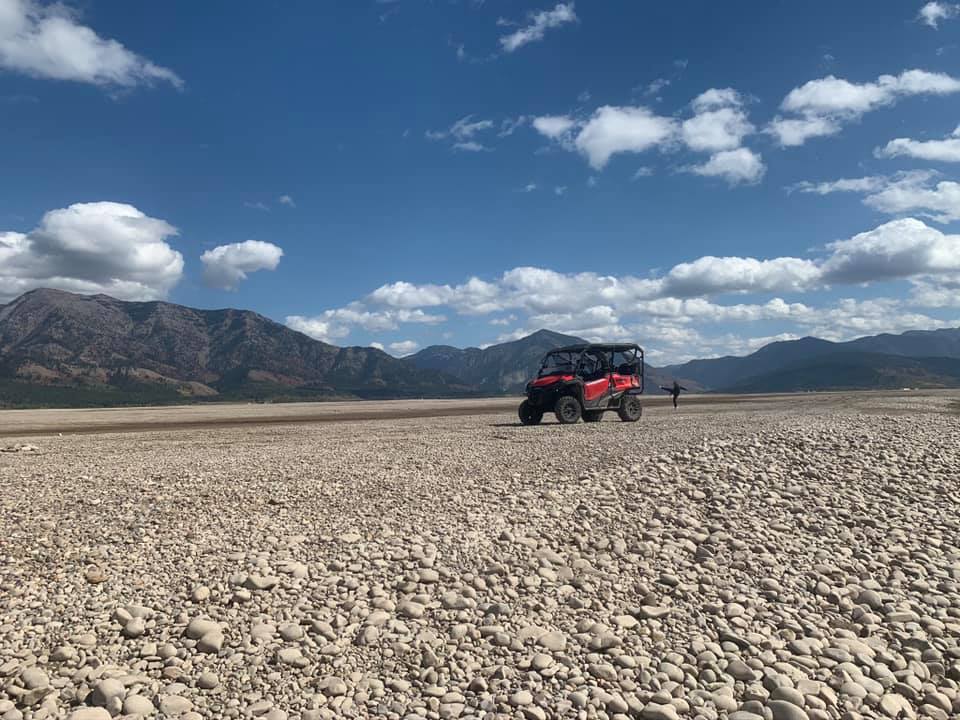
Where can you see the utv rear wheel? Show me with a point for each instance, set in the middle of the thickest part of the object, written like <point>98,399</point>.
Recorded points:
<point>630,409</point>
<point>529,415</point>
<point>592,415</point>
<point>567,410</point>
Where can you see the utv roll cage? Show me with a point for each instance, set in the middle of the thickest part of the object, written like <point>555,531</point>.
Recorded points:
<point>580,360</point>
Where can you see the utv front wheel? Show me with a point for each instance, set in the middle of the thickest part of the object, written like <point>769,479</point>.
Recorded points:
<point>567,410</point>
<point>529,415</point>
<point>630,409</point>
<point>592,415</point>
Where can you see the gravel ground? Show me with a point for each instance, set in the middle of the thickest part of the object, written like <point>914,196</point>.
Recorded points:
<point>790,561</point>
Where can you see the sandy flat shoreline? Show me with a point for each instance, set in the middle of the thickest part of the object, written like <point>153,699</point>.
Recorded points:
<point>26,423</point>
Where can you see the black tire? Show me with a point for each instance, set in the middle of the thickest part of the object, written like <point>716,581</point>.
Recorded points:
<point>529,415</point>
<point>630,409</point>
<point>592,415</point>
<point>567,410</point>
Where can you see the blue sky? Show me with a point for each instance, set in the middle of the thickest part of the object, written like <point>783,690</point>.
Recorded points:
<point>700,177</point>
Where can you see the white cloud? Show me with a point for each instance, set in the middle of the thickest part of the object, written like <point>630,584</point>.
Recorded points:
<point>702,310</point>
<point>376,346</point>
<point>317,328</point>
<point>226,266</point>
<point>720,129</point>
<point>331,325</point>
<point>791,132</point>
<point>613,130</point>
<point>286,200</point>
<point>670,306</point>
<point>529,187</point>
<point>735,166</point>
<point>403,348</point>
<point>851,318</point>
<point>100,247</point>
<point>47,41</point>
<point>463,134</point>
<point>553,126</point>
<point>946,150</point>
<point>871,183</point>
<point>716,98</point>
<point>719,126</point>
<point>933,12</point>
<point>912,192</point>
<point>898,249</point>
<point>470,146</point>
<point>920,251</point>
<point>560,190</point>
<point>713,275</point>
<point>832,96</point>
<point>942,291</point>
<point>916,195</point>
<point>822,106</point>
<point>539,23</point>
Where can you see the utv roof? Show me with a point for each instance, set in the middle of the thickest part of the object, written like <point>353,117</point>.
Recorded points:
<point>613,347</point>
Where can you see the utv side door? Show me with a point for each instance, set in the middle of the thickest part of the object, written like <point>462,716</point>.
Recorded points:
<point>626,370</point>
<point>595,372</point>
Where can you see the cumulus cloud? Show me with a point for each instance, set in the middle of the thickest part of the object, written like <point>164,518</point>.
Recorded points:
<point>554,127</point>
<point>946,150</point>
<point>48,41</point>
<point>226,266</point>
<point>338,323</point>
<point>898,249</point>
<point>719,123</point>
<point>713,275</point>
<point>933,12</point>
<point>821,107</point>
<point>318,328</point>
<point>403,348</point>
<point>938,292</point>
<point>286,200</point>
<point>539,23</point>
<point>735,166</point>
<point>939,202</point>
<point>718,126</point>
<point>100,247</point>
<point>720,129</point>
<point>913,192</point>
<point>669,305</point>
<point>612,130</point>
<point>791,132</point>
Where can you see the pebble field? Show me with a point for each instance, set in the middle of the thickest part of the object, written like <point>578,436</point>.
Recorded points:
<point>791,560</point>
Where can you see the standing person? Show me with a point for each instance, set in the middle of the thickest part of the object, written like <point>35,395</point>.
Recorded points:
<point>674,391</point>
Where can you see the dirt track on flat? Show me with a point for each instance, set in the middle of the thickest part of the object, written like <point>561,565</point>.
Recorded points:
<point>27,423</point>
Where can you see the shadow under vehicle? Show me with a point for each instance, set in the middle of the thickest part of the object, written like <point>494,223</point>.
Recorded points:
<point>586,381</point>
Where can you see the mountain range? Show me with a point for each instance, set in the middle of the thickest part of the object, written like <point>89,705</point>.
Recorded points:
<point>61,349</point>
<point>868,362</point>
<point>106,351</point>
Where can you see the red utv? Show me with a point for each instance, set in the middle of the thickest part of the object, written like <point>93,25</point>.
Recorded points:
<point>586,381</point>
